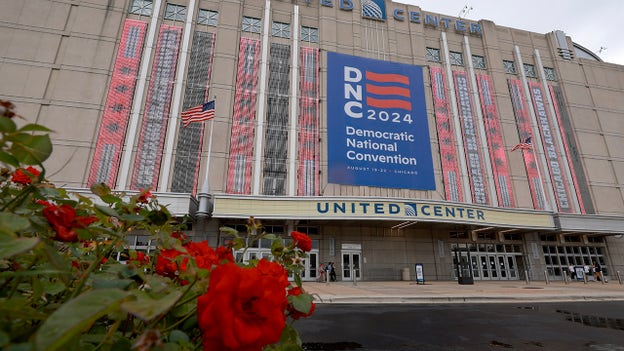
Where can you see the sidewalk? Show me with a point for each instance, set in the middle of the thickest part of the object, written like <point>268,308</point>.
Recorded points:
<point>452,292</point>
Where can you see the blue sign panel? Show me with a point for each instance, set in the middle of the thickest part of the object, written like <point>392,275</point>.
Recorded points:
<point>377,127</point>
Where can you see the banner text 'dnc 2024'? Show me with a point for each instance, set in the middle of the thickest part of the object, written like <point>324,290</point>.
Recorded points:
<point>377,124</point>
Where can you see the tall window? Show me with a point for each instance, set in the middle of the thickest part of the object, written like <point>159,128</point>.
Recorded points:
<point>457,58</point>
<point>175,12</point>
<point>309,34</point>
<point>207,17</point>
<point>432,54</point>
<point>279,29</point>
<point>141,7</point>
<point>509,67</point>
<point>251,24</point>
<point>478,61</point>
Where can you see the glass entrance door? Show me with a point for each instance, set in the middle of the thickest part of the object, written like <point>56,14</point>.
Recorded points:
<point>351,265</point>
<point>310,266</point>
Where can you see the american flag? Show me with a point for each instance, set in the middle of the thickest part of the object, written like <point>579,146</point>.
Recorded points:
<point>525,145</point>
<point>199,113</point>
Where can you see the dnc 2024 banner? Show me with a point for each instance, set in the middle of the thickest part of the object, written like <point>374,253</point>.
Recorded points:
<point>377,124</point>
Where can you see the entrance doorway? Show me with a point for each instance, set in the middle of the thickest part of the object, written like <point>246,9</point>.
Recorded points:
<point>492,261</point>
<point>351,265</point>
<point>310,263</point>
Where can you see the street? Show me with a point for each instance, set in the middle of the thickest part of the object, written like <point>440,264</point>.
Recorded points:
<point>569,326</point>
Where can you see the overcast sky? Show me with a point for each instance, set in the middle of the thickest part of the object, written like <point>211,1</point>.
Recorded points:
<point>591,24</point>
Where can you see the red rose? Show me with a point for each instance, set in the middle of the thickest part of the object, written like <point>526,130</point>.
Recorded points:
<point>24,176</point>
<point>225,254</point>
<point>144,196</point>
<point>302,241</point>
<point>243,309</point>
<point>63,220</point>
<point>292,311</point>
<point>167,265</point>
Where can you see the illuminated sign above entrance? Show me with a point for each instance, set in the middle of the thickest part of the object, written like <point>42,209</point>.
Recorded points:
<point>376,9</point>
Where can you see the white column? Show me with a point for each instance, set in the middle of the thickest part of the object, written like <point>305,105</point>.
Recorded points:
<point>481,125</point>
<point>461,156</point>
<point>540,159</point>
<point>125,169</point>
<point>294,94</point>
<point>166,167</point>
<point>557,133</point>
<point>255,190</point>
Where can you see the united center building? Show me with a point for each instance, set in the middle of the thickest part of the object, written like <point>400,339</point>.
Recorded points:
<point>393,136</point>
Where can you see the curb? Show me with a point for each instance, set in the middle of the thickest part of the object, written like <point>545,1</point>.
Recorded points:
<point>347,299</point>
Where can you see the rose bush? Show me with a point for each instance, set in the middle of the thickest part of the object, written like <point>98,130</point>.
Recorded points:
<point>61,287</point>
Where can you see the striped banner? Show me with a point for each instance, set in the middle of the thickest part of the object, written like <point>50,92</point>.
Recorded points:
<point>446,137</point>
<point>569,143</point>
<point>309,148</point>
<point>244,118</point>
<point>474,160</point>
<point>156,112</point>
<point>190,138</point>
<point>523,123</point>
<point>117,108</point>
<point>500,167</point>
<point>557,176</point>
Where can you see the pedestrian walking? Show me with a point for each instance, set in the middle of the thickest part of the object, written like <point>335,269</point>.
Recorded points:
<point>321,271</point>
<point>597,271</point>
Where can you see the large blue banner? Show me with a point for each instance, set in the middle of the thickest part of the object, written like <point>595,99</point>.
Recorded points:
<point>377,127</point>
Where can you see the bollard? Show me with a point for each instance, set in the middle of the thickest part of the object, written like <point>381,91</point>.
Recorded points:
<point>565,279</point>
<point>546,277</point>
<point>526,276</point>
<point>353,276</point>
<point>584,278</point>
<point>602,278</point>
<point>619,277</point>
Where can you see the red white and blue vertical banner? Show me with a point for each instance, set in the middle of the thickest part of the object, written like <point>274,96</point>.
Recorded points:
<point>446,136</point>
<point>500,169</point>
<point>156,113</point>
<point>566,146</point>
<point>553,159</point>
<point>476,169</point>
<point>308,141</point>
<point>118,104</point>
<point>523,123</point>
<point>377,127</point>
<point>244,118</point>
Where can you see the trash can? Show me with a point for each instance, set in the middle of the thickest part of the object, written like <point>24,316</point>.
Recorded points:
<point>405,274</point>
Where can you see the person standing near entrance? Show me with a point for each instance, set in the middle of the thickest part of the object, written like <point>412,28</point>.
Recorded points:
<point>597,271</point>
<point>331,271</point>
<point>321,271</point>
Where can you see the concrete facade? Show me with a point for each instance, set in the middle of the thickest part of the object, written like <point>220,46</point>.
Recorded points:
<point>58,61</point>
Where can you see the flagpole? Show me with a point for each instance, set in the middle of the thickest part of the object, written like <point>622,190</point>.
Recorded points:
<point>204,193</point>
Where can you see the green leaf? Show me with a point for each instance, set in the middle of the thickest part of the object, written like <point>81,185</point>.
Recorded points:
<point>9,159</point>
<point>31,127</point>
<point>178,336</point>
<point>19,308</point>
<point>146,308</point>
<point>76,316</point>
<point>7,125</point>
<point>107,211</point>
<point>132,217</point>
<point>112,283</point>
<point>31,149</point>
<point>301,303</point>
<point>10,247</point>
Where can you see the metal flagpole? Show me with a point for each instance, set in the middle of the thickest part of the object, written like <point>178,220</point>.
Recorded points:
<point>204,193</point>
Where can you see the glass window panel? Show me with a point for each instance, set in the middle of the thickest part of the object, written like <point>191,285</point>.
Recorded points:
<point>309,34</point>
<point>549,73</point>
<point>478,62</point>
<point>175,12</point>
<point>529,70</point>
<point>279,29</point>
<point>509,66</point>
<point>456,58</point>
<point>432,54</point>
<point>251,24</point>
<point>207,17</point>
<point>141,7</point>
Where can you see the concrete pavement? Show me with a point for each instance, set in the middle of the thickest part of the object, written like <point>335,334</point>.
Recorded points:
<point>452,292</point>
